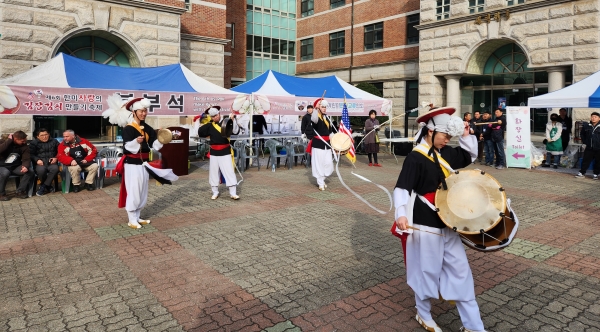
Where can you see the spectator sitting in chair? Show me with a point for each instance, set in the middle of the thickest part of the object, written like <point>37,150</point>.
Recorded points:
<point>44,152</point>
<point>15,159</point>
<point>79,155</point>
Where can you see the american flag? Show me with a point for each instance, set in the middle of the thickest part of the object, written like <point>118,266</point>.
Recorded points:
<point>345,128</point>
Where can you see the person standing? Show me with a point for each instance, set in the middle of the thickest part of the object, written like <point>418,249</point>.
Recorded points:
<point>306,127</point>
<point>498,139</point>
<point>567,128</point>
<point>221,155</point>
<point>486,136</point>
<point>78,154</point>
<point>321,155</point>
<point>477,132</point>
<point>15,159</point>
<point>553,141</point>
<point>44,154</point>
<point>590,136</point>
<point>371,140</point>
<point>436,264</point>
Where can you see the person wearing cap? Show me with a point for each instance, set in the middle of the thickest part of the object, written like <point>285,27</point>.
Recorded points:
<point>221,155</point>
<point>436,264</point>
<point>321,155</point>
<point>138,139</point>
<point>590,137</point>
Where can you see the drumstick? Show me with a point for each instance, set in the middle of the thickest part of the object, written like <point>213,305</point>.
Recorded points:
<point>484,123</point>
<point>421,230</point>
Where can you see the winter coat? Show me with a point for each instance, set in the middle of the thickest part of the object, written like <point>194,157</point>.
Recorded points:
<point>7,147</point>
<point>590,136</point>
<point>370,125</point>
<point>43,150</point>
<point>63,150</point>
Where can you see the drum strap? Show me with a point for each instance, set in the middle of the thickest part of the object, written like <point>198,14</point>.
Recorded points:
<point>137,127</point>
<point>445,166</point>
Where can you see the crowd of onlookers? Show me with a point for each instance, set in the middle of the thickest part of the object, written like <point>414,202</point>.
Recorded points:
<point>41,158</point>
<point>490,136</point>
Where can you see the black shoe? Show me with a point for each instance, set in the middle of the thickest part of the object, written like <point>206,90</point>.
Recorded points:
<point>545,165</point>
<point>41,190</point>
<point>50,189</point>
<point>555,166</point>
<point>76,188</point>
<point>21,194</point>
<point>90,187</point>
<point>4,198</point>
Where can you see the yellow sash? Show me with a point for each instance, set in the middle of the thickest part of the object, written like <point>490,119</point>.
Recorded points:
<point>424,149</point>
<point>138,128</point>
<point>218,128</point>
<point>323,119</point>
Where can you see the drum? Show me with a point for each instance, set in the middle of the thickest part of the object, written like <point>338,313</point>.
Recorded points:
<point>227,127</point>
<point>341,143</point>
<point>475,206</point>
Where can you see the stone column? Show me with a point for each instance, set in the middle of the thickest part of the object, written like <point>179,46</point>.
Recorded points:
<point>556,81</point>
<point>452,92</point>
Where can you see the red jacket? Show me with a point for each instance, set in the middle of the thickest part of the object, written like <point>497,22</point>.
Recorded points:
<point>63,150</point>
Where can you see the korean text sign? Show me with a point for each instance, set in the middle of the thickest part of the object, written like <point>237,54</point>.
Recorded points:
<point>518,137</point>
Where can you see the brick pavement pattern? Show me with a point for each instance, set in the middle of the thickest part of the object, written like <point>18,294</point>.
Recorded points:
<point>285,257</point>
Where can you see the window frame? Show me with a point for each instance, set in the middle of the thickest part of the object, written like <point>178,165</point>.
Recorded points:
<point>477,6</point>
<point>411,31</point>
<point>514,2</point>
<point>306,45</point>
<point>373,29</point>
<point>337,37</point>
<point>336,3</point>
<point>307,10</point>
<point>442,9</point>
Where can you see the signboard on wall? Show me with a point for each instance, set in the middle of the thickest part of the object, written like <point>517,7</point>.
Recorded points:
<point>518,137</point>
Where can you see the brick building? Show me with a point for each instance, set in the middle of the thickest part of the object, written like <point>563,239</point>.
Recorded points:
<point>362,41</point>
<point>128,33</point>
<point>475,54</point>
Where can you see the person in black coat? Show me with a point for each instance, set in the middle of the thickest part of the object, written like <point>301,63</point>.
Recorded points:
<point>590,137</point>
<point>44,155</point>
<point>567,127</point>
<point>306,127</point>
<point>498,139</point>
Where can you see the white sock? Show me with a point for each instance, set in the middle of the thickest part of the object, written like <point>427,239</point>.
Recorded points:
<point>232,190</point>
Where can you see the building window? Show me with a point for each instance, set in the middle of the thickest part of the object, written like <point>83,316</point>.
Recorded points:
<point>307,7</point>
<point>337,3</point>
<point>412,34</point>
<point>306,49</point>
<point>374,36</point>
<point>442,10</point>
<point>336,43</point>
<point>514,2</point>
<point>95,49</point>
<point>476,6</point>
<point>188,5</point>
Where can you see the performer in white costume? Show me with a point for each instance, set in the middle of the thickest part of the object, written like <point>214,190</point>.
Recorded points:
<point>436,264</point>
<point>138,139</point>
<point>221,155</point>
<point>321,154</point>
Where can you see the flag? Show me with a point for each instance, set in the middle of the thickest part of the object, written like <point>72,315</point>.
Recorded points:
<point>345,128</point>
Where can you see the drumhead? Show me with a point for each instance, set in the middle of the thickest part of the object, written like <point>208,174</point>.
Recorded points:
<point>474,201</point>
<point>341,142</point>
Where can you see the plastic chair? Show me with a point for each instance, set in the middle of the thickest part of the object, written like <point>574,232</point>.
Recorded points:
<point>244,152</point>
<point>294,150</point>
<point>66,178</point>
<point>272,145</point>
<point>111,156</point>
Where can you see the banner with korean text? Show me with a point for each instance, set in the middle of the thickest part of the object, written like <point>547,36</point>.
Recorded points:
<point>518,137</point>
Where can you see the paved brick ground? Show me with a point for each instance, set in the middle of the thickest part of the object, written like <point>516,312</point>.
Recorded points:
<point>285,257</point>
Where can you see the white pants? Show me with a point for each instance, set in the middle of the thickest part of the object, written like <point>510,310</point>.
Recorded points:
<point>222,165</point>
<point>322,165</point>
<point>136,183</point>
<point>438,265</point>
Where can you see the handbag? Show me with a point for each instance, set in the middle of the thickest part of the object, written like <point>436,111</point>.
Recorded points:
<point>376,138</point>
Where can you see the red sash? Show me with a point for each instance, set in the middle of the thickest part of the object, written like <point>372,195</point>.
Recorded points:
<point>121,170</point>
<point>219,147</point>
<point>309,145</point>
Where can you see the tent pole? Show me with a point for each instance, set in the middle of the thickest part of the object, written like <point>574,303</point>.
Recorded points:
<point>251,116</point>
